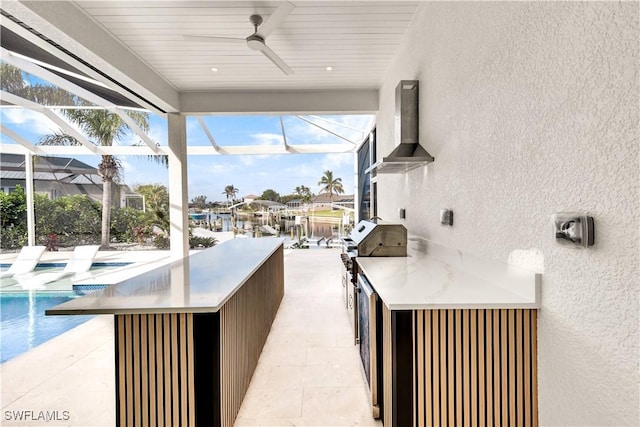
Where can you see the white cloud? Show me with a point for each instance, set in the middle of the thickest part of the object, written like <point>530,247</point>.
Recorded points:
<point>337,160</point>
<point>268,138</point>
<point>28,120</point>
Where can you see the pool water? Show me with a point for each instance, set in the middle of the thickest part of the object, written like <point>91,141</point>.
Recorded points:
<point>24,324</point>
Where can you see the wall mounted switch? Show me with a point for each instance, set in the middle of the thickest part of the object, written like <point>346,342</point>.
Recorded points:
<point>446,217</point>
<point>572,229</point>
<point>402,213</point>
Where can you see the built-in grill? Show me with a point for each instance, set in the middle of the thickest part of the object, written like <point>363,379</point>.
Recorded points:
<point>368,239</point>
<point>377,239</point>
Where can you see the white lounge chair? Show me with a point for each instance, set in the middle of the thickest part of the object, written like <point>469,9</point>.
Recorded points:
<point>25,262</point>
<point>80,262</point>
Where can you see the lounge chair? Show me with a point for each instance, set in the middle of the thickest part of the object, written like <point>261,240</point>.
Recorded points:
<point>80,262</point>
<point>25,262</point>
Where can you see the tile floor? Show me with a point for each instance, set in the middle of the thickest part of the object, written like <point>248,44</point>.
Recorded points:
<point>308,375</point>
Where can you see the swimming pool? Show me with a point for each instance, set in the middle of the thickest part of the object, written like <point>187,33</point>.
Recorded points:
<point>24,324</point>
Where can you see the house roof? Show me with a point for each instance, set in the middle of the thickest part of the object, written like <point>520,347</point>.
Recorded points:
<point>48,168</point>
<point>325,198</point>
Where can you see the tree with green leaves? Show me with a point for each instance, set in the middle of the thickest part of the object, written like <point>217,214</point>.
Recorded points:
<point>270,194</point>
<point>330,185</point>
<point>304,193</point>
<point>102,128</point>
<point>230,191</point>
<point>156,196</point>
<point>12,80</point>
<point>199,202</point>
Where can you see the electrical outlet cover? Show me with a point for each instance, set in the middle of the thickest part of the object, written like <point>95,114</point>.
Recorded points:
<point>573,229</point>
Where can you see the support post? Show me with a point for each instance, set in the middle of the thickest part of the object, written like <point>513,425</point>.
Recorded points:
<point>29,190</point>
<point>178,189</point>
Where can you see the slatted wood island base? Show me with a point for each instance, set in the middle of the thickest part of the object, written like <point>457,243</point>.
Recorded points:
<point>460,367</point>
<point>188,336</point>
<point>459,339</point>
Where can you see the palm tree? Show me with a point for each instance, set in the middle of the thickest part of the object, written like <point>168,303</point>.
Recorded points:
<point>230,191</point>
<point>102,128</point>
<point>12,80</point>
<point>331,185</point>
<point>304,193</point>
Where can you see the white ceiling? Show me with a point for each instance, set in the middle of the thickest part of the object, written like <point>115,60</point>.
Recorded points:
<point>357,38</point>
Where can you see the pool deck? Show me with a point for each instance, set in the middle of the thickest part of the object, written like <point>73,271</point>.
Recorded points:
<point>309,373</point>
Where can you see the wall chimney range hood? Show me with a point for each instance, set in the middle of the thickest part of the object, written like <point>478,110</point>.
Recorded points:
<point>408,154</point>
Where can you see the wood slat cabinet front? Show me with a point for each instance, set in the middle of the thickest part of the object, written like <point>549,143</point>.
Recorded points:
<point>193,369</point>
<point>460,367</point>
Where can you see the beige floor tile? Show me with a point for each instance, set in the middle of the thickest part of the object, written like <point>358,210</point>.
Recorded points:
<point>276,356</point>
<point>339,406</point>
<point>272,403</point>
<point>264,422</point>
<point>7,399</point>
<point>280,377</point>
<point>321,376</point>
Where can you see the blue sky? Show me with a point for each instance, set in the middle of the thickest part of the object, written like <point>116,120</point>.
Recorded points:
<point>208,175</point>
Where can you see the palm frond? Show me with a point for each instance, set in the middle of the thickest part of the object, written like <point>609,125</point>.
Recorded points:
<point>58,138</point>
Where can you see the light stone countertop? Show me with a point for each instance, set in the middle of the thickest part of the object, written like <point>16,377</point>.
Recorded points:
<point>419,281</point>
<point>199,283</point>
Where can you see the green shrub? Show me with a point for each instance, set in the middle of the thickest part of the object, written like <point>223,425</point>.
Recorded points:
<point>128,225</point>
<point>13,219</point>
<point>161,242</point>
<point>13,237</point>
<point>196,242</point>
<point>75,219</point>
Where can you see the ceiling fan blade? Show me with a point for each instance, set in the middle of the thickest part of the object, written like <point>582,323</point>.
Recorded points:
<point>266,51</point>
<point>275,19</point>
<point>214,39</point>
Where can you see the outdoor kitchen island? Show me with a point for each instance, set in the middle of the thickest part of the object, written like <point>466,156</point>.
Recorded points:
<point>457,338</point>
<point>188,335</point>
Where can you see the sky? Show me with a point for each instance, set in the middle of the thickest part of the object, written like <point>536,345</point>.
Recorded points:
<point>208,175</point>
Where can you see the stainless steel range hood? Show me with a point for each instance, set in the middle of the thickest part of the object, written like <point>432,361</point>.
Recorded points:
<point>409,154</point>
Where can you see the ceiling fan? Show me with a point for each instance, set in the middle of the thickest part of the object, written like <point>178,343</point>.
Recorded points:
<point>257,40</point>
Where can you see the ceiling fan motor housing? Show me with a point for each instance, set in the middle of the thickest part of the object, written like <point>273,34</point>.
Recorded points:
<point>255,42</point>
<point>256,20</point>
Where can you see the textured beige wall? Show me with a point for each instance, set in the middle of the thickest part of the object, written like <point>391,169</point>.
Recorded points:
<point>531,109</point>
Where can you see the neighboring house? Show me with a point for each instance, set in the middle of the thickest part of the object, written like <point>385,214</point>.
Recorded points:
<point>61,176</point>
<point>324,200</point>
<point>295,204</point>
<point>250,197</point>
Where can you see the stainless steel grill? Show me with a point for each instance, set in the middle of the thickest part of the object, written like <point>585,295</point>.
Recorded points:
<point>368,239</point>
<point>373,239</point>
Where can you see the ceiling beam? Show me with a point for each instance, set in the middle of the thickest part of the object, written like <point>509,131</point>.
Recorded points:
<point>204,150</point>
<point>347,101</point>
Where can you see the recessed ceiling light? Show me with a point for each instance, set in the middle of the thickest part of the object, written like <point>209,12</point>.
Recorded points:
<point>329,68</point>
<point>214,69</point>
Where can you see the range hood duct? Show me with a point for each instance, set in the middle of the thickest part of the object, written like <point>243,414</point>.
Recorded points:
<point>408,154</point>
